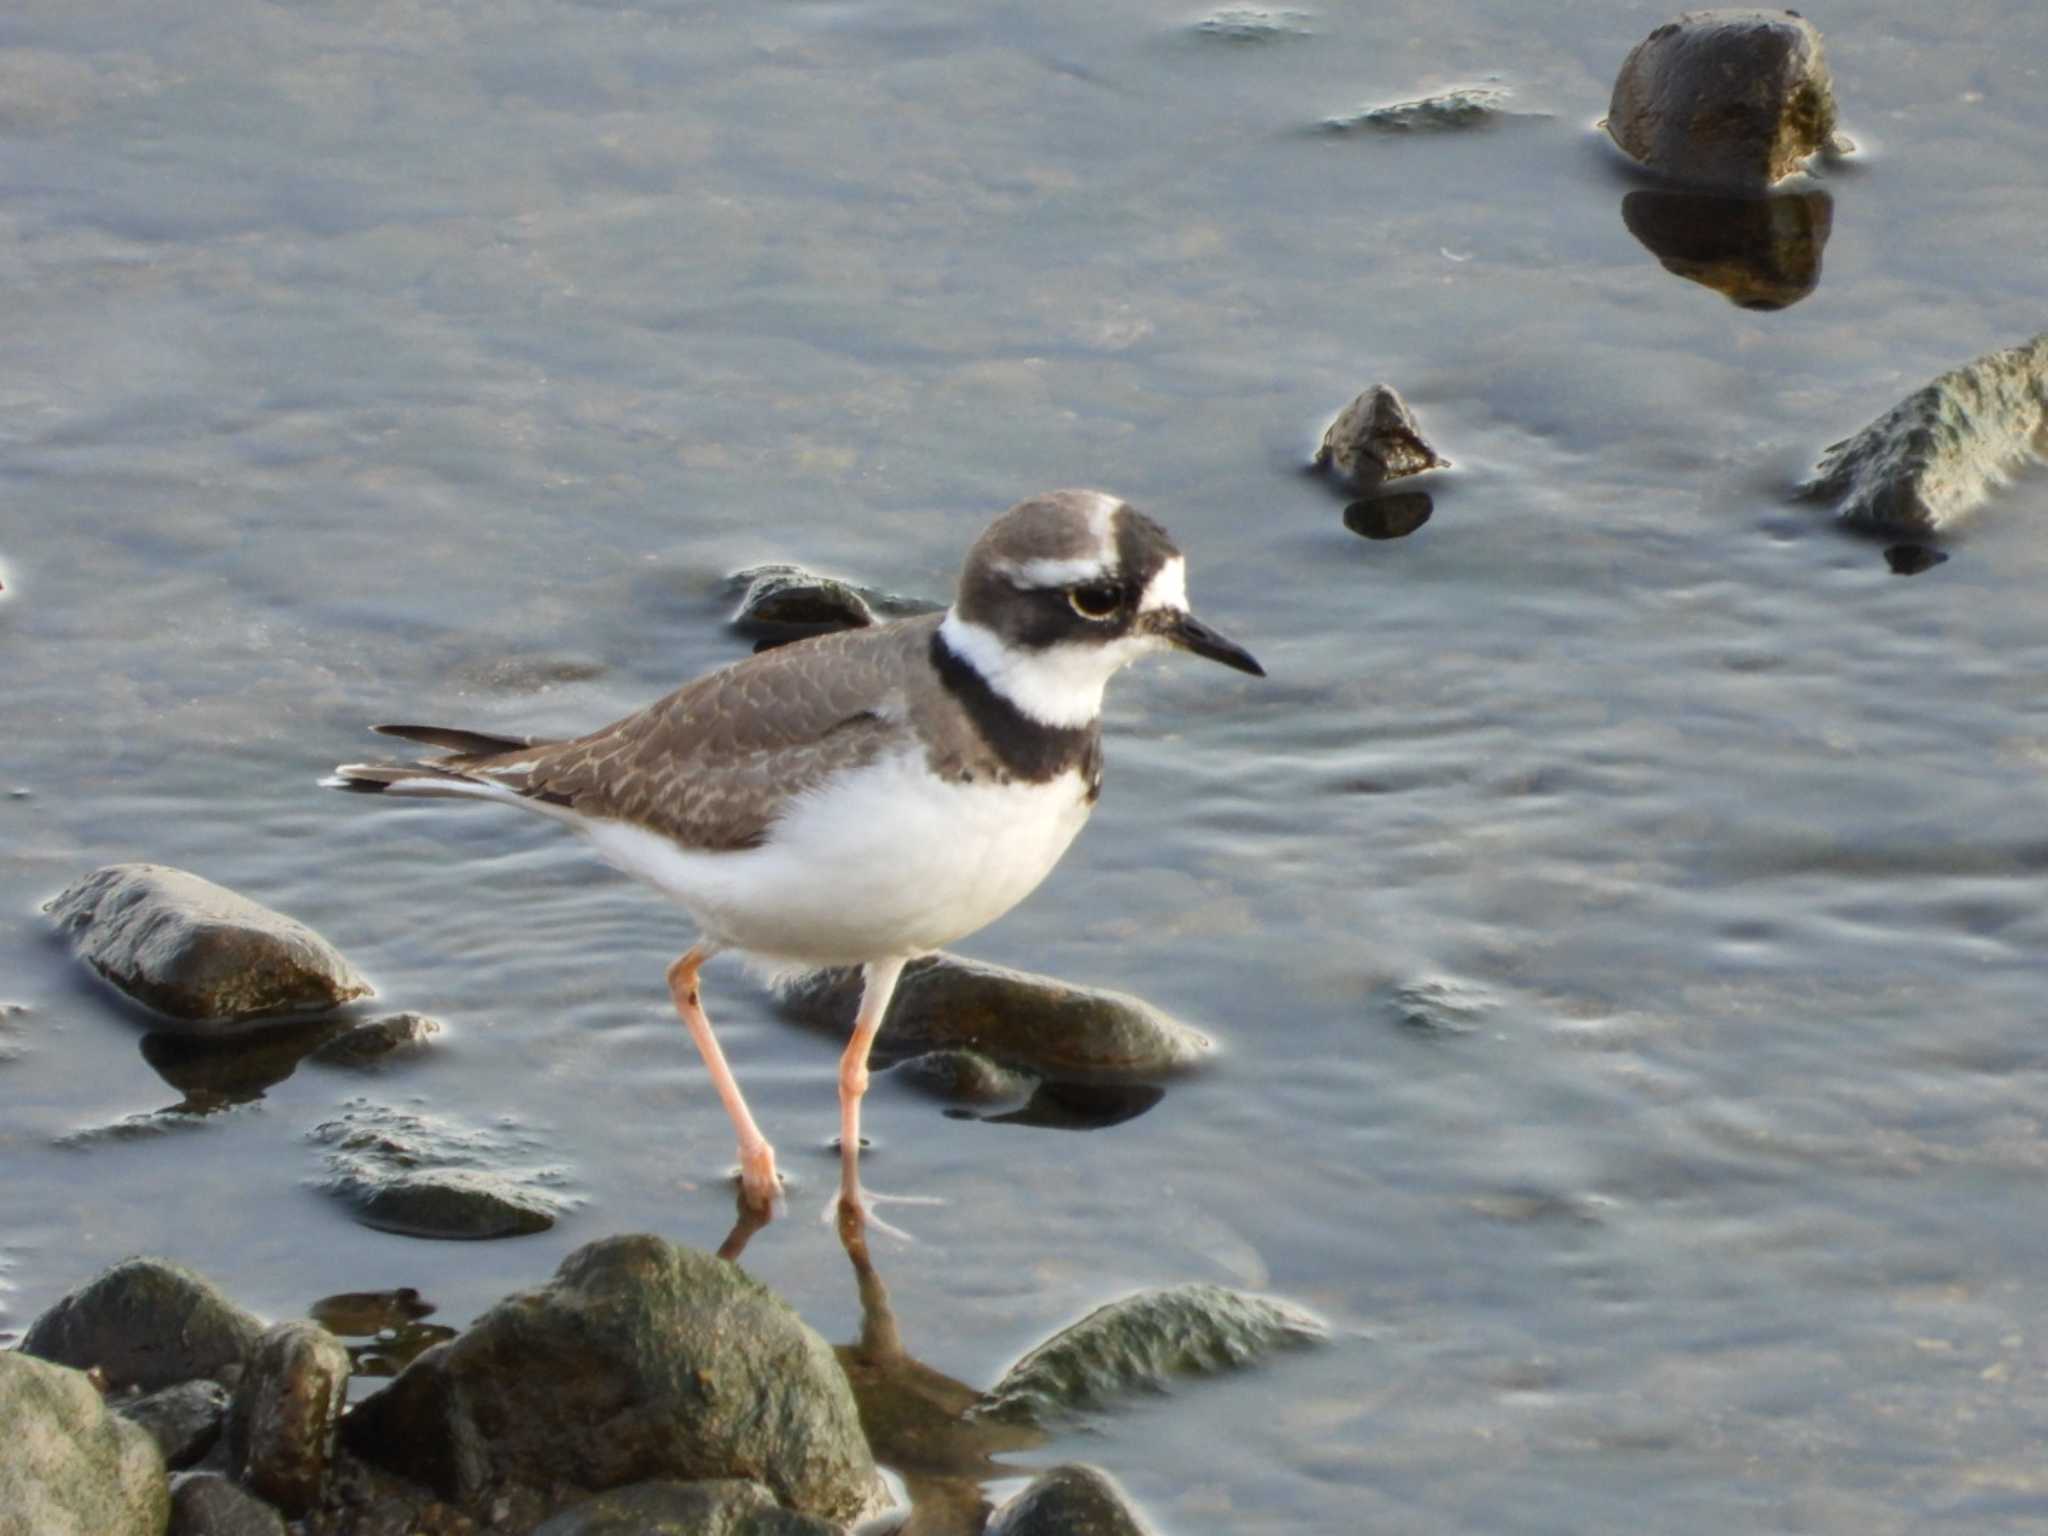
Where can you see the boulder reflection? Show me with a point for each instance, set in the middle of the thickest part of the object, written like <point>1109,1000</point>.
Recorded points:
<point>1762,252</point>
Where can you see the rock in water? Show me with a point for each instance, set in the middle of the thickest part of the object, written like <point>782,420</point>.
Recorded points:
<point>198,952</point>
<point>725,1507</point>
<point>1073,1500</point>
<point>281,1435</point>
<point>69,1467</point>
<point>371,1044</point>
<point>640,1360</point>
<point>1930,459</point>
<point>780,603</point>
<point>149,1324</point>
<point>426,1176</point>
<point>1376,439</point>
<point>1471,106</point>
<point>944,1002</point>
<point>1727,99</point>
<point>1141,1344</point>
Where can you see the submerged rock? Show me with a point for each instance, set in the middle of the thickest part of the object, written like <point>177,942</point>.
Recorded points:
<point>1440,1005</point>
<point>1937,454</point>
<point>780,603</point>
<point>1761,252</point>
<point>964,1077</point>
<point>426,1177</point>
<point>184,1420</point>
<point>1143,1343</point>
<point>722,1507</point>
<point>1733,99</point>
<point>207,1504</point>
<point>147,1323</point>
<point>1013,1017</point>
<point>1246,24</point>
<point>640,1360</point>
<point>1376,439</point>
<point>281,1434</point>
<point>1073,1500</point>
<point>70,1467</point>
<point>360,1314</point>
<point>1470,106</point>
<point>373,1043</point>
<point>197,952</point>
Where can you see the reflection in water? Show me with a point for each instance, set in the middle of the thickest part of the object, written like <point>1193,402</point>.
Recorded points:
<point>1062,1106</point>
<point>1389,517</point>
<point>1762,252</point>
<point>1912,559</point>
<point>391,1324</point>
<point>216,1071</point>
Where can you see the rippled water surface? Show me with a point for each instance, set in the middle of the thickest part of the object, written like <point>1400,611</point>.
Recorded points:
<point>1621,910</point>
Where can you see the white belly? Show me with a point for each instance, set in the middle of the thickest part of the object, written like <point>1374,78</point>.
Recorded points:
<point>885,861</point>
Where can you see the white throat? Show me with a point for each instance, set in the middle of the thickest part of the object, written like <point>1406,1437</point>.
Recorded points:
<point>1059,686</point>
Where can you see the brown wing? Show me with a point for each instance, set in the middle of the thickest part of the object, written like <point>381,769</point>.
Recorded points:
<point>714,763</point>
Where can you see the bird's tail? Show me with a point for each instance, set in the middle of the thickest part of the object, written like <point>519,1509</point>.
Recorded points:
<point>449,775</point>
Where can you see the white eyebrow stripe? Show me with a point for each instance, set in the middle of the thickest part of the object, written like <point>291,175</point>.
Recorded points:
<point>1167,589</point>
<point>1052,573</point>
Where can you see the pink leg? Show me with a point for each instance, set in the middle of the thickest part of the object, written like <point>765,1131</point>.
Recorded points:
<point>853,1072</point>
<point>757,1158</point>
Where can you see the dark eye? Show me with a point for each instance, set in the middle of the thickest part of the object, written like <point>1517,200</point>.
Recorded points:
<point>1097,600</point>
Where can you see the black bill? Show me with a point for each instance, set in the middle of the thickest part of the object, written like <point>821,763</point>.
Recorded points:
<point>1191,634</point>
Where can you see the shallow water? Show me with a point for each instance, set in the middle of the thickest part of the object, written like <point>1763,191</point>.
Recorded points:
<point>438,361</point>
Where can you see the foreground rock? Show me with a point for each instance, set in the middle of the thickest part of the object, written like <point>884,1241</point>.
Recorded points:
<point>198,952</point>
<point>780,603</point>
<point>1073,1500</point>
<point>1761,252</point>
<point>1732,100</point>
<point>281,1435</point>
<point>1933,457</point>
<point>1036,1023</point>
<point>726,1507</point>
<point>639,1361</point>
<point>423,1176</point>
<point>69,1467</point>
<point>1472,106</point>
<point>1376,439</point>
<point>149,1324</point>
<point>207,1504</point>
<point>1142,1344</point>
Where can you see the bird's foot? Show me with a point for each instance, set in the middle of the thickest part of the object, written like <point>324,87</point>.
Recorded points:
<point>855,1208</point>
<point>759,1182</point>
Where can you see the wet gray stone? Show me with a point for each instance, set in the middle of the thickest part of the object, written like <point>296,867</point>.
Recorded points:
<point>70,1467</point>
<point>1037,1023</point>
<point>147,1323</point>
<point>426,1176</point>
<point>1142,1344</point>
<point>207,1504</point>
<point>1472,106</point>
<point>1731,99</point>
<point>786,602</point>
<point>641,1360</point>
<point>1376,439</point>
<point>376,1042</point>
<point>722,1507</point>
<point>964,1077</point>
<point>197,952</point>
<point>281,1433</point>
<point>1073,1500</point>
<point>184,1420</point>
<point>1938,454</point>
<point>1440,1005</point>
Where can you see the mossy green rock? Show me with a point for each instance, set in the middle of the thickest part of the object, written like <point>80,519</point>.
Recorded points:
<point>146,1323</point>
<point>69,1467</point>
<point>1142,1344</point>
<point>1074,1500</point>
<point>640,1361</point>
<point>725,1507</point>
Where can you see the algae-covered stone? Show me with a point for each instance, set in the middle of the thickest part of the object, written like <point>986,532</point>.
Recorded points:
<point>1933,457</point>
<point>1073,1500</point>
<point>1374,439</point>
<point>198,952</point>
<point>641,1360</point>
<point>69,1467</point>
<point>1037,1023</point>
<point>281,1435</point>
<point>722,1507</point>
<point>1727,99</point>
<point>1143,1343</point>
<point>146,1323</point>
